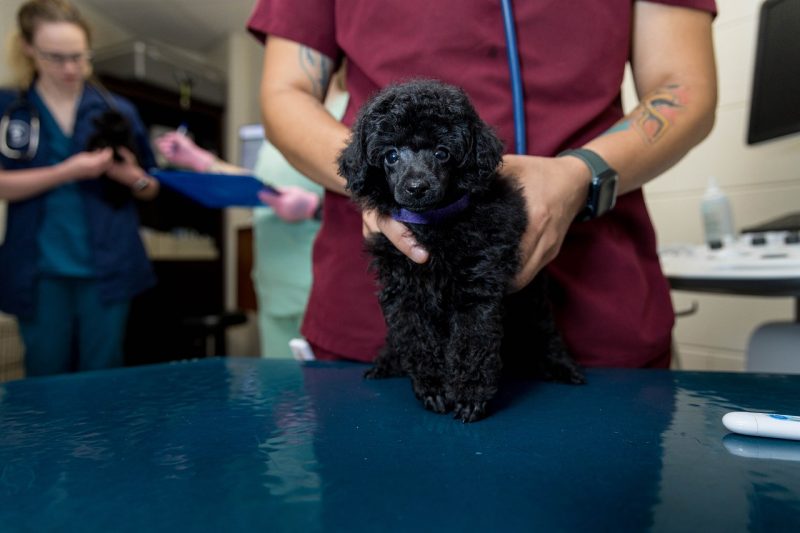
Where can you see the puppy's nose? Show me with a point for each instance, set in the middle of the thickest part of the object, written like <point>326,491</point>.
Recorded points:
<point>417,187</point>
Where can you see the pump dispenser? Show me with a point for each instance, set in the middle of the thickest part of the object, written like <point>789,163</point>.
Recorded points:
<point>717,216</point>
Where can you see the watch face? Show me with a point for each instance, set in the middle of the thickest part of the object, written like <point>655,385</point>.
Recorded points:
<point>603,188</point>
<point>606,193</point>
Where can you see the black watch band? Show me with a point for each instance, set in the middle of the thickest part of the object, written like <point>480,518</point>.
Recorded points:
<point>603,187</point>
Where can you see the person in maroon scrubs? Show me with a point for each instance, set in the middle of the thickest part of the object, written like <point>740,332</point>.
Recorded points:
<point>611,300</point>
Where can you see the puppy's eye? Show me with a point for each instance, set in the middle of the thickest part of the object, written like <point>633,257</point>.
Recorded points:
<point>441,154</point>
<point>391,157</point>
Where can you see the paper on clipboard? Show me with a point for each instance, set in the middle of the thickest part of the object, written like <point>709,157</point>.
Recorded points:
<point>215,190</point>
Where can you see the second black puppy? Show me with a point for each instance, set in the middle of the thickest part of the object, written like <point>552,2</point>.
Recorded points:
<point>420,153</point>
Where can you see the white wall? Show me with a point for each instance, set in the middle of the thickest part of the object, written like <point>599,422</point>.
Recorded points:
<point>8,22</point>
<point>243,57</point>
<point>763,182</point>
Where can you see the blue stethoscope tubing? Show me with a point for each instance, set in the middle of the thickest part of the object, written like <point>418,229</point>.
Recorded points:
<point>517,96</point>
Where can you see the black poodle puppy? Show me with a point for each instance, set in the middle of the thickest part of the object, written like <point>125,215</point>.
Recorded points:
<point>420,153</point>
<point>112,130</point>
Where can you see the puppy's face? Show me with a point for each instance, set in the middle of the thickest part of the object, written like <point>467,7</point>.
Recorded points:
<point>418,145</point>
<point>419,177</point>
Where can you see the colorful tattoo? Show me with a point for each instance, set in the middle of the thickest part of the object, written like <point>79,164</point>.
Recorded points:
<point>657,111</point>
<point>622,125</point>
<point>318,69</point>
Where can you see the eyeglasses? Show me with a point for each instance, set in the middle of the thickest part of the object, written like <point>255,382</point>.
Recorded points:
<point>62,59</point>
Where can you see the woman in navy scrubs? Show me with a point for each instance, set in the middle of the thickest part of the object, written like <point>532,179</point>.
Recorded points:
<point>72,258</point>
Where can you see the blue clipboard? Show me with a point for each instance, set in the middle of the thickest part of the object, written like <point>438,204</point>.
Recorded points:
<point>215,190</point>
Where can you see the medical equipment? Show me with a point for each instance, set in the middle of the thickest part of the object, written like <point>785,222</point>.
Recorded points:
<point>520,139</point>
<point>16,134</point>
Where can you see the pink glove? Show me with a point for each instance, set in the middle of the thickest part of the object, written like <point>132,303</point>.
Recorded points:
<point>293,204</point>
<point>181,151</point>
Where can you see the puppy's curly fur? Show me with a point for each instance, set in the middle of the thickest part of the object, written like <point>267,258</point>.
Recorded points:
<point>419,146</point>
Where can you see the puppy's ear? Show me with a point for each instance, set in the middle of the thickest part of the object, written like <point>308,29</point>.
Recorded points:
<point>487,150</point>
<point>353,164</point>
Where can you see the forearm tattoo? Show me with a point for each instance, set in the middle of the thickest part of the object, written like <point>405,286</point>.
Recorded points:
<point>656,112</point>
<point>318,69</point>
<point>654,115</point>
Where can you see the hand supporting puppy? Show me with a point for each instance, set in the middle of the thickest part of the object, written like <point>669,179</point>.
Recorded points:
<point>397,232</point>
<point>555,191</point>
<point>87,165</point>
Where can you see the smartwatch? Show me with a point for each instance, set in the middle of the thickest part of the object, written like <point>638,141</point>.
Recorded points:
<point>603,187</point>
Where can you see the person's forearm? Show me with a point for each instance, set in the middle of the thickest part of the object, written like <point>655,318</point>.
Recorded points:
<point>16,185</point>
<point>293,86</point>
<point>667,123</point>
<point>311,150</point>
<point>674,72</point>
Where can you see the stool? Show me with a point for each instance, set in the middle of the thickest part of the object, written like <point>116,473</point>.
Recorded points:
<point>213,327</point>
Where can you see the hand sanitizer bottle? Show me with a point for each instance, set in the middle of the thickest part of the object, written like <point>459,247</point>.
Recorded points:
<point>717,216</point>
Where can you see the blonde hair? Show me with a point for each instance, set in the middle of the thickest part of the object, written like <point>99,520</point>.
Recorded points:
<point>30,15</point>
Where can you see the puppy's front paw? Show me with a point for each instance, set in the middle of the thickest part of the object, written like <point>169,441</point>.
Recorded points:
<point>469,411</point>
<point>437,403</point>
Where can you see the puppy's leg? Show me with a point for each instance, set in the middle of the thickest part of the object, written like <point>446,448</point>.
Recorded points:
<point>387,364</point>
<point>427,368</point>
<point>473,360</point>
<point>418,356</point>
<point>413,340</point>
<point>557,363</point>
<point>532,341</point>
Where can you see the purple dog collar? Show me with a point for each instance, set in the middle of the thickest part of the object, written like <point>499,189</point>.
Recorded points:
<point>433,216</point>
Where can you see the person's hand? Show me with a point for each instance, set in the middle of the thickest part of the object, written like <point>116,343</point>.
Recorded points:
<point>555,191</point>
<point>89,165</point>
<point>397,232</point>
<point>293,204</point>
<point>181,151</point>
<point>126,171</point>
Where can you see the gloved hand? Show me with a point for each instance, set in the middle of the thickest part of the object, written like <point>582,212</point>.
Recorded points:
<point>181,151</point>
<point>293,204</point>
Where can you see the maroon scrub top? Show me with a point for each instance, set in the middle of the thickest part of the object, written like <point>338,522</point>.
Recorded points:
<point>611,299</point>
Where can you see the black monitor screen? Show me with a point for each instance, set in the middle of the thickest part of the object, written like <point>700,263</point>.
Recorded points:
<point>775,105</point>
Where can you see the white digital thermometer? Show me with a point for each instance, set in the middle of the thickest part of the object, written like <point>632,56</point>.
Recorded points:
<point>763,425</point>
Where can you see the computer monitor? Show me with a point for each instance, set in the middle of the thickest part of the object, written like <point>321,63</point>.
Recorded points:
<point>775,103</point>
<point>250,139</point>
